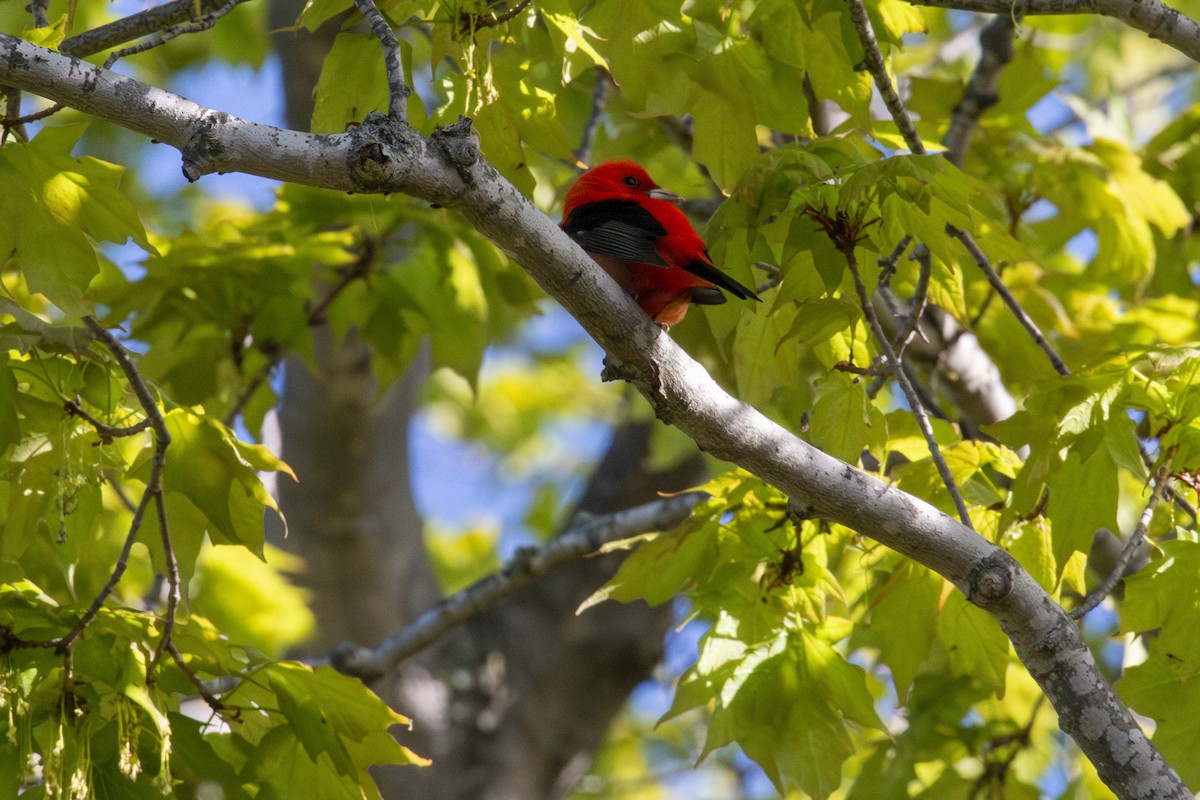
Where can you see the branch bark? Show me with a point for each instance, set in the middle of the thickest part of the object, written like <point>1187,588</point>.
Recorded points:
<point>1154,18</point>
<point>585,538</point>
<point>447,169</point>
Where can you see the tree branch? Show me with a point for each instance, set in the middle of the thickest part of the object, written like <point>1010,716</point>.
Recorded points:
<point>878,69</point>
<point>138,25</point>
<point>1152,17</point>
<point>1031,327</point>
<point>398,90</point>
<point>586,537</point>
<point>910,394</point>
<point>447,169</point>
<point>1096,597</point>
<point>996,41</point>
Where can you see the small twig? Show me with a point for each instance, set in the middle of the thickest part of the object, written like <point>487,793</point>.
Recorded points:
<point>173,592</point>
<point>584,538</point>
<point>361,267</point>
<point>107,432</point>
<point>875,370</point>
<point>13,122</point>
<point>203,24</point>
<point>985,265</point>
<point>468,22</point>
<point>774,276</point>
<point>37,8</point>
<point>874,62</point>
<point>398,90</point>
<point>211,699</point>
<point>996,42</point>
<point>138,25</point>
<point>920,298</point>
<point>1169,492</point>
<point>846,245</point>
<point>162,439</point>
<point>996,769</point>
<point>583,153</point>
<point>1096,597</point>
<point>889,263</point>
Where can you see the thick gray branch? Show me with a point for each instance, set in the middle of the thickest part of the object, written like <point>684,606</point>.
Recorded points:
<point>1152,17</point>
<point>448,170</point>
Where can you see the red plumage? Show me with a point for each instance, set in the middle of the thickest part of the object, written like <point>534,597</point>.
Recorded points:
<point>634,230</point>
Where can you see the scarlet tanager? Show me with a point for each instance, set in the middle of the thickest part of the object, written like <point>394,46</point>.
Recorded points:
<point>632,228</point>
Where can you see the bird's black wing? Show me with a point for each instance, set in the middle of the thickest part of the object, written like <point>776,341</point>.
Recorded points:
<point>714,275</point>
<point>624,229</point>
<point>617,228</point>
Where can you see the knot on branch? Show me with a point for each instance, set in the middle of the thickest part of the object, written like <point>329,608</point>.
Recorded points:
<point>645,377</point>
<point>991,581</point>
<point>379,144</point>
<point>459,145</point>
<point>203,150</point>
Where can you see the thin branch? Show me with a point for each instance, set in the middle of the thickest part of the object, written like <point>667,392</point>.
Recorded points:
<point>1152,17</point>
<point>993,277</point>
<point>162,439</point>
<point>398,90</point>
<point>996,43</point>
<point>1096,597</point>
<point>846,245</point>
<point>141,24</point>
<point>920,298</point>
<point>204,23</point>
<point>37,8</point>
<point>51,110</point>
<point>184,12</point>
<point>889,263</point>
<point>586,537</point>
<point>1169,492</point>
<point>583,153</point>
<point>468,22</point>
<point>12,122</point>
<point>201,688</point>
<point>172,583</point>
<point>874,61</point>
<point>107,432</point>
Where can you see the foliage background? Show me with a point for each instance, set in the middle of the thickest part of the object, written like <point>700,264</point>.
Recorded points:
<point>836,666</point>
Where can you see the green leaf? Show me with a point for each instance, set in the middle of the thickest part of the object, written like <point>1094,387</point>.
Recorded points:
<point>61,205</point>
<point>339,102</point>
<point>974,642</point>
<point>219,475</point>
<point>844,421</point>
<point>1166,596</point>
<point>785,700</point>
<point>660,567</point>
<point>903,619</point>
<point>1083,498</point>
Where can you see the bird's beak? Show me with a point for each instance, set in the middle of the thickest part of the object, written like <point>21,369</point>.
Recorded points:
<point>662,194</point>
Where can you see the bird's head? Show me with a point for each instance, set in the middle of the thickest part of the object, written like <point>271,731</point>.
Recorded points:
<point>616,180</point>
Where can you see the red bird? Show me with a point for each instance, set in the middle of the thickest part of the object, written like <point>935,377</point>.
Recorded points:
<point>632,228</point>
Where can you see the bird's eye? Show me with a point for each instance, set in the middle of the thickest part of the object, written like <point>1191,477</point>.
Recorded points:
<point>631,181</point>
